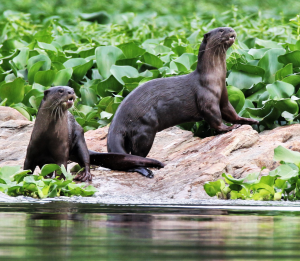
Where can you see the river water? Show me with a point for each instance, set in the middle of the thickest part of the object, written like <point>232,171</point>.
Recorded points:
<point>211,230</point>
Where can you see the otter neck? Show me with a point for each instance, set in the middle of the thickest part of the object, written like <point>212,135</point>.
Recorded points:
<point>212,60</point>
<point>51,115</point>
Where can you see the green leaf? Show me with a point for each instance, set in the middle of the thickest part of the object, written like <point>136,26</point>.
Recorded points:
<point>62,77</point>
<point>287,70</point>
<point>44,78</point>
<point>47,46</point>
<point>285,172</point>
<point>230,180</point>
<point>283,154</point>
<point>269,62</point>
<point>280,90</point>
<point>33,70</point>
<point>292,57</point>
<point>243,80</point>
<point>131,50</point>
<point>120,71</point>
<point>106,56</point>
<point>49,168</point>
<point>152,60</point>
<point>21,60</point>
<point>109,85</point>
<point>236,98</point>
<point>186,59</point>
<point>213,187</point>
<point>33,60</point>
<point>12,91</point>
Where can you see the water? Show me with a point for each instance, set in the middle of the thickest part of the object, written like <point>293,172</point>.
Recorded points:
<point>77,231</point>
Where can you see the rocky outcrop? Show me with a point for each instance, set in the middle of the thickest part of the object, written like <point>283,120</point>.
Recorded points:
<point>190,161</point>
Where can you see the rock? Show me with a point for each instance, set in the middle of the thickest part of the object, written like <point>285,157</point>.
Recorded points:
<point>8,113</point>
<point>190,161</point>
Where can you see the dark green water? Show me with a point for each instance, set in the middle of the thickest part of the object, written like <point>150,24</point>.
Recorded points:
<point>68,231</point>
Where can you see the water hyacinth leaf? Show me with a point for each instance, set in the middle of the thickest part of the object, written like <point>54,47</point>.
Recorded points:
<point>280,90</point>
<point>213,187</point>
<point>131,50</point>
<point>6,172</point>
<point>120,71</point>
<point>80,71</point>
<point>285,172</point>
<point>194,37</point>
<point>49,168</point>
<point>99,17</point>
<point>47,46</point>
<point>74,62</point>
<point>286,155</point>
<point>63,40</point>
<point>267,43</point>
<point>230,180</point>
<point>104,88</point>
<point>106,56</point>
<point>62,77</point>
<point>283,72</point>
<point>250,69</point>
<point>89,191</point>
<point>20,175</point>
<point>187,59</point>
<point>12,91</point>
<point>269,62</point>
<point>33,70</point>
<point>236,98</point>
<point>44,78</point>
<point>152,60</point>
<point>243,80</point>
<point>21,59</point>
<point>292,79</point>
<point>88,96</point>
<point>243,112</point>
<point>46,65</point>
<point>292,57</point>
<point>20,107</point>
<point>258,53</point>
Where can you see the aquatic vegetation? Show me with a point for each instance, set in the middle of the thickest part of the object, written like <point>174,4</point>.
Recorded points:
<point>15,182</point>
<point>105,59</point>
<point>281,183</point>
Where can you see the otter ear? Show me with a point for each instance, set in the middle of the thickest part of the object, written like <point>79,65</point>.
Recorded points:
<point>46,93</point>
<point>205,38</point>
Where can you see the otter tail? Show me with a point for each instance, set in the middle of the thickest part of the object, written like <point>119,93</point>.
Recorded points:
<point>121,161</point>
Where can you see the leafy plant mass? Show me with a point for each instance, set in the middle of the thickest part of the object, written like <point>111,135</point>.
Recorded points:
<point>15,182</point>
<point>104,57</point>
<point>281,183</point>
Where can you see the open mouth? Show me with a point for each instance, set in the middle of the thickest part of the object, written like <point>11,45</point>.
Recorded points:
<point>70,101</point>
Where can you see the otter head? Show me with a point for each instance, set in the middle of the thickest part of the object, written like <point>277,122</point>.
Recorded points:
<point>62,96</point>
<point>222,36</point>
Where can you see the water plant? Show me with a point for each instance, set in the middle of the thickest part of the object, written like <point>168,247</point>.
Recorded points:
<point>15,182</point>
<point>281,183</point>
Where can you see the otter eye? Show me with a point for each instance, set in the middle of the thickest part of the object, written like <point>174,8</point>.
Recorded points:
<point>221,30</point>
<point>61,91</point>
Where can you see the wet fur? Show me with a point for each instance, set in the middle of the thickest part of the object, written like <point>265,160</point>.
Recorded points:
<point>57,138</point>
<point>165,102</point>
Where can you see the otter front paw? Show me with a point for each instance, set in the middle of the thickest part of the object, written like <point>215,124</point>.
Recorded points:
<point>83,176</point>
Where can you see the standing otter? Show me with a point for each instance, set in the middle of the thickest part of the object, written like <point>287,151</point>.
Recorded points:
<point>57,138</point>
<point>165,102</point>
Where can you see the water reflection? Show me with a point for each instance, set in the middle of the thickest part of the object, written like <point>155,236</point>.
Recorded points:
<point>145,236</point>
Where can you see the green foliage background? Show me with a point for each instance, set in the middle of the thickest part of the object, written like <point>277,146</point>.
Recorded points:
<point>106,54</point>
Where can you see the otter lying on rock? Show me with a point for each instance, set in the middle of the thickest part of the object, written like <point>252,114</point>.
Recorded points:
<point>57,138</point>
<point>165,102</point>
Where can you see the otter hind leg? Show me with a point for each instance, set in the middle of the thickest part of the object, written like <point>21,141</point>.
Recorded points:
<point>141,145</point>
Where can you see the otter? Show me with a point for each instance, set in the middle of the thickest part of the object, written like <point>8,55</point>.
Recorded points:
<point>161,103</point>
<point>57,138</point>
